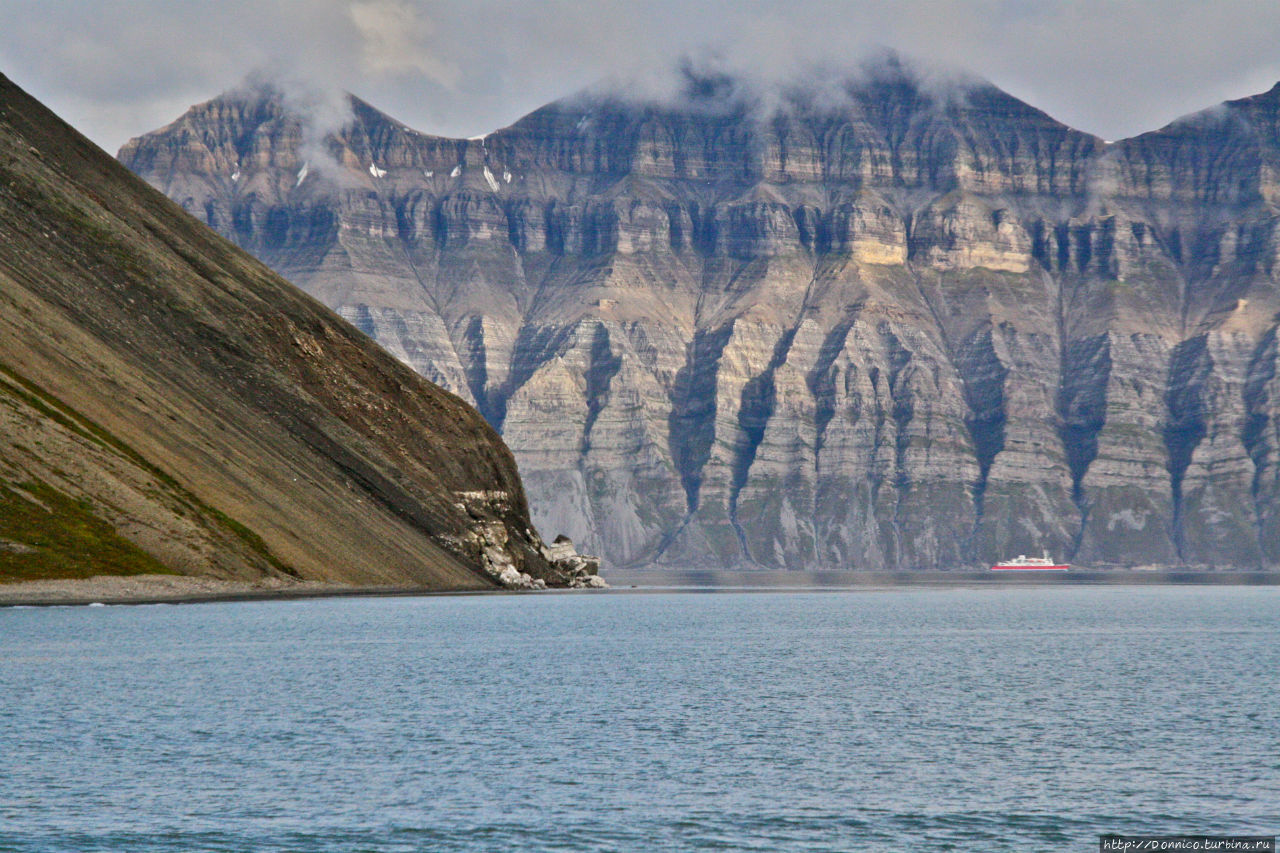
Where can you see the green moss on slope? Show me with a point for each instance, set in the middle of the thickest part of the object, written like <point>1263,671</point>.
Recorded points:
<point>45,533</point>
<point>44,403</point>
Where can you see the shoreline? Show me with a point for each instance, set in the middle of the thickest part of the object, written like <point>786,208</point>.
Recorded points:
<point>179,589</point>
<point>720,579</point>
<point>182,589</point>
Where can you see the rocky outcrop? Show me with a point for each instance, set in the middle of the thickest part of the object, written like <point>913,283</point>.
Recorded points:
<point>909,326</point>
<point>170,405</point>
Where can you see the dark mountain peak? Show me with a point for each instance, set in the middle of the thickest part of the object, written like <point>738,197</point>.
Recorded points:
<point>733,126</point>
<point>1233,117</point>
<point>1262,113</point>
<point>261,120</point>
<point>1270,98</point>
<point>702,86</point>
<point>244,107</point>
<point>1237,141</point>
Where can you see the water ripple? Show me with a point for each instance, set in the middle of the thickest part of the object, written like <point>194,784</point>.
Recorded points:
<point>984,720</point>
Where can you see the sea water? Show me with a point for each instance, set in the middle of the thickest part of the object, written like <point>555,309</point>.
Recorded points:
<point>908,719</point>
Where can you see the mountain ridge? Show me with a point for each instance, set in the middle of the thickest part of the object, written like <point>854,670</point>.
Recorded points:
<point>914,331</point>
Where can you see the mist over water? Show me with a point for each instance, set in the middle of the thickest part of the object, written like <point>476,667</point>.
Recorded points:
<point>1009,719</point>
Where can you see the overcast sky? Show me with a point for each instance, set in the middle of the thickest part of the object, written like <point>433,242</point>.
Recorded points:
<point>118,68</point>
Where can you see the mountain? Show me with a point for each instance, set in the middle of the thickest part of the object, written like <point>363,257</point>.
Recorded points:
<point>168,404</point>
<point>884,322</point>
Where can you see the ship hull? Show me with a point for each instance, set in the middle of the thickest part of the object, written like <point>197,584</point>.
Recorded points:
<point>1030,568</point>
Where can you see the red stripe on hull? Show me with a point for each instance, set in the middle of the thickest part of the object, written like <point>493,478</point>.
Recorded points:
<point>1030,568</point>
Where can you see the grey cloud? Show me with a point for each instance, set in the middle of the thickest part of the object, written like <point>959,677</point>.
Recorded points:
<point>323,110</point>
<point>1111,67</point>
<point>717,82</point>
<point>395,38</point>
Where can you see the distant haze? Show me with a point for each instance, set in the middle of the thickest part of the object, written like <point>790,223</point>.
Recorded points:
<point>119,68</point>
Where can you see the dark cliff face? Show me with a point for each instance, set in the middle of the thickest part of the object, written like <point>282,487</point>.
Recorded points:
<point>168,403</point>
<point>895,326</point>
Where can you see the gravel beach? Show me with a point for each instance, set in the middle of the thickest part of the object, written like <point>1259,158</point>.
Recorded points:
<point>139,589</point>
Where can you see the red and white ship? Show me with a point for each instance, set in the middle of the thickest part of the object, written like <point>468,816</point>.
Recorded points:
<point>1023,563</point>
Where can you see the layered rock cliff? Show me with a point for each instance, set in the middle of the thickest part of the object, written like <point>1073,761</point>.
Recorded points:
<point>168,404</point>
<point>905,325</point>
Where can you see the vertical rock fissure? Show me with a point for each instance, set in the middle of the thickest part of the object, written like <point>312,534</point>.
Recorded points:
<point>534,346</point>
<point>1189,366</point>
<point>759,396</point>
<point>1084,376</point>
<point>822,384</point>
<point>475,369</point>
<point>1254,433</point>
<point>603,366</point>
<point>755,410</point>
<point>691,426</point>
<point>983,376</point>
<point>471,372</point>
<point>902,412</point>
<point>407,233</point>
<point>821,381</point>
<point>874,474</point>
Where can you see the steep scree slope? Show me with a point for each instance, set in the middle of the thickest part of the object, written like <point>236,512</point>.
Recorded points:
<point>169,404</point>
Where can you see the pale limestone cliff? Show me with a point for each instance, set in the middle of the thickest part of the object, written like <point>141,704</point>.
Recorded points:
<point>922,327</point>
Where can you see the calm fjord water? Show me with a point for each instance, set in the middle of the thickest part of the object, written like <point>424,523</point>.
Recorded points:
<point>994,719</point>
